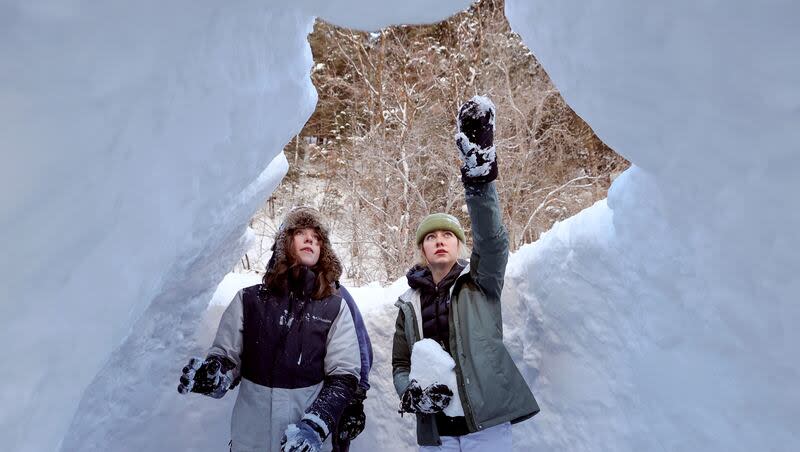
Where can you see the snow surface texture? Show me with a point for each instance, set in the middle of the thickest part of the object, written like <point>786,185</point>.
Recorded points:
<point>137,144</point>
<point>431,364</point>
<point>666,319</point>
<point>135,152</point>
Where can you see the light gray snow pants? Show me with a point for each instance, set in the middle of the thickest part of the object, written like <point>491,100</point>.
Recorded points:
<point>494,439</point>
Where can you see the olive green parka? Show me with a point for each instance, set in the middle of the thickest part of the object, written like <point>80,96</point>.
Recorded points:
<point>491,388</point>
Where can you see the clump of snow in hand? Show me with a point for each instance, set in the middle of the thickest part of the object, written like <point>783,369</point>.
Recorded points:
<point>469,155</point>
<point>431,364</point>
<point>485,105</point>
<point>292,429</point>
<point>292,439</point>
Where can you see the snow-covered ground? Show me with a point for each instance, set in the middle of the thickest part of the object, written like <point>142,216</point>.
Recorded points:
<point>140,137</point>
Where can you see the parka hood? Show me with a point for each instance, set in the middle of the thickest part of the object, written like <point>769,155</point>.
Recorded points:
<point>300,218</point>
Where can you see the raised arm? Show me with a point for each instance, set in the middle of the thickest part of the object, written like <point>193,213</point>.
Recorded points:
<point>489,239</point>
<point>475,141</point>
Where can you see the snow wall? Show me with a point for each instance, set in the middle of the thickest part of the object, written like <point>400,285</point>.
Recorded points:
<point>659,320</point>
<point>138,139</point>
<point>665,319</point>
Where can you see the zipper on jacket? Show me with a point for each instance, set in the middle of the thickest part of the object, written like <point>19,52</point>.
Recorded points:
<point>436,314</point>
<point>469,415</point>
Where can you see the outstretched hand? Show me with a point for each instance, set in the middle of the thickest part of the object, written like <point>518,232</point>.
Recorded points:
<point>210,377</point>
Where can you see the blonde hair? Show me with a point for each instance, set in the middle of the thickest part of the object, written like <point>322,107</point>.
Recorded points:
<point>419,255</point>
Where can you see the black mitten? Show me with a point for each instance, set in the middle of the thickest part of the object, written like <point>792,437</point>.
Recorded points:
<point>410,397</point>
<point>475,141</point>
<point>353,419</point>
<point>433,399</point>
<point>210,377</point>
<point>439,397</point>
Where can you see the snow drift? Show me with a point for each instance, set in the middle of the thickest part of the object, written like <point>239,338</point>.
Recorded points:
<point>664,319</point>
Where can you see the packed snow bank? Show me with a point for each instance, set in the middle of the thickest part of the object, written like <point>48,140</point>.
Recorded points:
<point>136,137</point>
<point>666,319</point>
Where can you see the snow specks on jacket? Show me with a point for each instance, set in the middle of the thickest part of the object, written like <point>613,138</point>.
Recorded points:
<point>286,319</point>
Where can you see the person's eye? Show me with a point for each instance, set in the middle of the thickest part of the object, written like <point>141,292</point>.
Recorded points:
<point>448,234</point>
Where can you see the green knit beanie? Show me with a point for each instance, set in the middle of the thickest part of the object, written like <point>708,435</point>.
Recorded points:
<point>440,222</point>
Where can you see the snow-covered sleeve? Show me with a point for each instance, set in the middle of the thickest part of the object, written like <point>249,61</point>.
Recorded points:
<point>342,369</point>
<point>228,341</point>
<point>489,238</point>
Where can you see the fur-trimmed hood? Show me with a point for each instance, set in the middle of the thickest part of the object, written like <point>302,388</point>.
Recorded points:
<point>306,217</point>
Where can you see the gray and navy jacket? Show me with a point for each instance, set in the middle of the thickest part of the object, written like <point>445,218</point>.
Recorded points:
<point>296,357</point>
<point>364,343</point>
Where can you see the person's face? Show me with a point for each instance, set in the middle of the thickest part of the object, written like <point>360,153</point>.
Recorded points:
<point>305,246</point>
<point>440,248</point>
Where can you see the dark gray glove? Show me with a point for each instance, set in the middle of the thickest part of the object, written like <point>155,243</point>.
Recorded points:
<point>210,377</point>
<point>353,419</point>
<point>475,141</point>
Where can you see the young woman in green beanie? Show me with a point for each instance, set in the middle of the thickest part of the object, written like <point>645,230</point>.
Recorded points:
<point>456,303</point>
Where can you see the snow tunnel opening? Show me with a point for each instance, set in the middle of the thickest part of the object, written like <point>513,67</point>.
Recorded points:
<point>377,154</point>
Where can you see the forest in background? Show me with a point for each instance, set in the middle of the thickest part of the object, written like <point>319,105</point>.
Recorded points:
<point>378,153</point>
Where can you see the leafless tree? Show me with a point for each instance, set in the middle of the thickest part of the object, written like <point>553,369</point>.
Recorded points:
<point>378,154</point>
